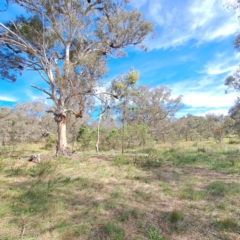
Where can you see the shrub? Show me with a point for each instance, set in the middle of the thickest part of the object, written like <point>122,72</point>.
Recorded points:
<point>202,149</point>
<point>85,137</point>
<point>195,144</point>
<point>233,141</point>
<point>50,141</point>
<point>149,151</point>
<point>121,160</point>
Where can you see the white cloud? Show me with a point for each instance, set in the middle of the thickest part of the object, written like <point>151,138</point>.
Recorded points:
<point>222,64</point>
<point>204,92</point>
<point>8,99</point>
<point>179,21</point>
<point>209,99</point>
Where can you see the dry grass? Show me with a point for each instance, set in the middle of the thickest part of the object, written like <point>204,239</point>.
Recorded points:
<point>188,196</point>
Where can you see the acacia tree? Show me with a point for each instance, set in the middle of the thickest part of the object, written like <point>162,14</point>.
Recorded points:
<point>68,43</point>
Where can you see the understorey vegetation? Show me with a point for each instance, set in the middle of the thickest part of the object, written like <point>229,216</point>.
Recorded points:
<point>156,192</point>
<point>107,160</point>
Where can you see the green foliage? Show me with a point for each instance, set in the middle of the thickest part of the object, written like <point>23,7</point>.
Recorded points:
<point>202,149</point>
<point>122,86</point>
<point>26,26</point>
<point>114,231</point>
<point>149,151</point>
<point>50,141</point>
<point>112,139</point>
<point>85,137</point>
<point>132,77</point>
<point>233,141</point>
<point>195,144</point>
<point>121,160</point>
<point>137,135</point>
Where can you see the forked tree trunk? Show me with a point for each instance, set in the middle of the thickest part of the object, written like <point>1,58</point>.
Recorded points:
<point>62,137</point>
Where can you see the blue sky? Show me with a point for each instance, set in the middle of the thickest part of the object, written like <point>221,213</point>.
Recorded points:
<point>192,53</point>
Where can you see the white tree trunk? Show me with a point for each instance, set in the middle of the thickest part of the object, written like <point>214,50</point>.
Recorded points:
<point>98,132</point>
<point>62,136</point>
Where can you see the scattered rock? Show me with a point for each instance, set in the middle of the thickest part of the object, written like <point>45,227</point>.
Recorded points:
<point>35,158</point>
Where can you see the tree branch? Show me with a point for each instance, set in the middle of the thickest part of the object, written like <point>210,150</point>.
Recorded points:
<point>41,89</point>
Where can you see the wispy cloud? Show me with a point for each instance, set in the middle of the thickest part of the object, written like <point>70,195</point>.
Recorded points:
<point>179,21</point>
<point>221,64</point>
<point>8,99</point>
<point>205,94</point>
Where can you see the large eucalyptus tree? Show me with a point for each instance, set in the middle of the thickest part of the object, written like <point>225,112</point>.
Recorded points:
<point>69,42</point>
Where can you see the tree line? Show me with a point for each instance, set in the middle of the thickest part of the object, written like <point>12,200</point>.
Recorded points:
<point>68,43</point>
<point>145,123</point>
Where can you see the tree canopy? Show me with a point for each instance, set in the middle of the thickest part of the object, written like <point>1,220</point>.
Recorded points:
<point>68,43</point>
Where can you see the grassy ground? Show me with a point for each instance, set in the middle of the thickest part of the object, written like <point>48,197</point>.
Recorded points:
<point>191,191</point>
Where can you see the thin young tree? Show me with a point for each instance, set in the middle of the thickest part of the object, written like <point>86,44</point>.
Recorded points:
<point>69,42</point>
<point>124,87</point>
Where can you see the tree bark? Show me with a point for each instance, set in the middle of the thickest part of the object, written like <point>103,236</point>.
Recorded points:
<point>98,133</point>
<point>123,126</point>
<point>62,137</point>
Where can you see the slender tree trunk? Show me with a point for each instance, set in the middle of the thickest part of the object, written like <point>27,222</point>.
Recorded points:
<point>123,127</point>
<point>62,137</point>
<point>98,132</point>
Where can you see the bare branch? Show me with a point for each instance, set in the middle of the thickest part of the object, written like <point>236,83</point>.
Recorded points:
<point>41,89</point>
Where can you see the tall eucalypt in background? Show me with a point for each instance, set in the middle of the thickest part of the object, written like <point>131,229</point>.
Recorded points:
<point>233,81</point>
<point>124,89</point>
<point>68,43</point>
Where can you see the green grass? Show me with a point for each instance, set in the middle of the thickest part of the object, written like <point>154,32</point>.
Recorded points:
<point>154,194</point>
<point>121,160</point>
<point>227,224</point>
<point>153,234</point>
<point>114,231</point>
<point>166,188</point>
<point>220,188</point>
<point>190,193</point>
<point>175,216</point>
